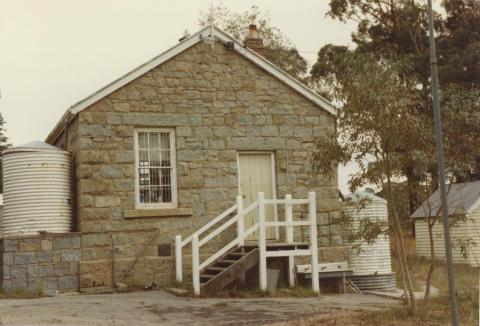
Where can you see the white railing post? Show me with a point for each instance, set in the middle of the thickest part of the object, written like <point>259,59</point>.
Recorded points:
<point>288,219</point>
<point>289,238</point>
<point>195,265</point>
<point>312,215</point>
<point>240,222</point>
<point>178,258</point>
<point>262,246</point>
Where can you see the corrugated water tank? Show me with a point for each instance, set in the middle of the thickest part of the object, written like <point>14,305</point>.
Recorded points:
<point>371,263</point>
<point>36,190</point>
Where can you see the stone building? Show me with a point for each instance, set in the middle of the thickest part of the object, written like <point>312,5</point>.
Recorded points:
<point>168,146</point>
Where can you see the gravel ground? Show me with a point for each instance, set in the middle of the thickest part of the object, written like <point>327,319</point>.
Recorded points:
<point>162,308</point>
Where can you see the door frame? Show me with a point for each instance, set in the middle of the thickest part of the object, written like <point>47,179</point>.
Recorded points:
<point>274,185</point>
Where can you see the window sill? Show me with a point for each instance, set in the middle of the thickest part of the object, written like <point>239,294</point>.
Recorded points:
<point>163,212</point>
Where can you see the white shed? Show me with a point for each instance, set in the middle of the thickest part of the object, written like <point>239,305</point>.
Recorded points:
<point>463,201</point>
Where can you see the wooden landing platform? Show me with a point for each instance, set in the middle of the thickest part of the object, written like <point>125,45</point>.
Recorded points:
<point>279,245</point>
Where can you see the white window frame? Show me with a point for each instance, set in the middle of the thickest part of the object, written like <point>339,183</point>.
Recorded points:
<point>173,162</point>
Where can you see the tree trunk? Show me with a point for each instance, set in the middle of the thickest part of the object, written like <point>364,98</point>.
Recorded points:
<point>412,185</point>
<point>402,269</point>
<point>431,268</point>
<point>401,249</point>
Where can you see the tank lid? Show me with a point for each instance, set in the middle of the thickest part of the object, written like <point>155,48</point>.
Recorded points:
<point>357,196</point>
<point>36,145</point>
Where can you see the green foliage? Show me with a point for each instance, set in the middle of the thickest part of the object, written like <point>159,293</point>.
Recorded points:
<point>371,137</point>
<point>395,32</point>
<point>364,230</point>
<point>279,49</point>
<point>4,144</point>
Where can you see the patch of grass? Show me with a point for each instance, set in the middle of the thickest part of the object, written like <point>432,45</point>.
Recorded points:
<point>295,292</point>
<point>437,311</point>
<point>220,304</point>
<point>21,294</point>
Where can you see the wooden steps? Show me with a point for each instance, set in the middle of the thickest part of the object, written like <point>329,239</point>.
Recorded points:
<point>228,269</point>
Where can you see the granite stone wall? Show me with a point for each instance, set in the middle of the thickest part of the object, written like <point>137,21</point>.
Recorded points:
<point>47,263</point>
<point>219,104</point>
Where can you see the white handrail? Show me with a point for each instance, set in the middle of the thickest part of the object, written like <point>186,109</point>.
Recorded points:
<point>179,244</point>
<point>261,226</point>
<point>234,219</point>
<point>225,249</point>
<point>287,201</point>
<point>288,224</point>
<point>210,224</point>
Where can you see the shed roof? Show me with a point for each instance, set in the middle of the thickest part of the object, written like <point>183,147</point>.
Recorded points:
<point>462,198</point>
<point>209,34</point>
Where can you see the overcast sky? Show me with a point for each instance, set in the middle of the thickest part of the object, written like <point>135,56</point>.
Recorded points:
<point>54,53</point>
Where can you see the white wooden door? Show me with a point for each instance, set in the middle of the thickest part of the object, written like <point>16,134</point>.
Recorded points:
<point>256,174</point>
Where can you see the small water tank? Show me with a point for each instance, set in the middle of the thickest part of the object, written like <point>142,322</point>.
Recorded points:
<point>371,263</point>
<point>1,214</point>
<point>36,190</point>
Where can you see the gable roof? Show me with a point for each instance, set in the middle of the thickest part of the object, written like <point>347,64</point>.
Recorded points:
<point>463,198</point>
<point>208,34</point>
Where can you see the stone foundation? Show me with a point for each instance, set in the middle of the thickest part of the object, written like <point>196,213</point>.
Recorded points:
<point>47,263</point>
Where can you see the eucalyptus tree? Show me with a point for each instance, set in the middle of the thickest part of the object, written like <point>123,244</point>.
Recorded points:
<point>279,49</point>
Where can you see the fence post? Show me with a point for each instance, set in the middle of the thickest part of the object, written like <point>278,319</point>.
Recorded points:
<point>262,242</point>
<point>195,265</point>
<point>178,258</point>
<point>240,222</point>
<point>312,215</point>
<point>289,238</point>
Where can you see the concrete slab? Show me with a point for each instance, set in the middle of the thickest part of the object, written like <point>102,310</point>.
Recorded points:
<point>162,308</point>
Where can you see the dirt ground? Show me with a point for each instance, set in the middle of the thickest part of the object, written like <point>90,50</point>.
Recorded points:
<point>162,308</point>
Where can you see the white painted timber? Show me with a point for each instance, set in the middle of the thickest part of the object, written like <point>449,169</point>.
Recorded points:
<point>288,219</point>
<point>312,216</point>
<point>240,222</point>
<point>210,224</point>
<point>323,267</point>
<point>465,230</point>
<point>178,259</point>
<point>287,253</point>
<point>256,174</point>
<point>262,263</point>
<point>259,227</point>
<point>195,265</point>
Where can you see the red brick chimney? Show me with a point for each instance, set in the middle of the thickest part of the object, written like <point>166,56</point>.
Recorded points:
<point>253,40</point>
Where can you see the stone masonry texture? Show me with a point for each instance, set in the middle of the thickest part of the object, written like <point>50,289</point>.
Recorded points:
<point>47,263</point>
<point>219,104</point>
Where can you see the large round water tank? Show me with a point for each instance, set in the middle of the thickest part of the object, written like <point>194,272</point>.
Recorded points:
<point>364,258</point>
<point>36,190</point>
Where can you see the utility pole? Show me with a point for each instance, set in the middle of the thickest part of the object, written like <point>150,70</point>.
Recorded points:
<point>441,168</point>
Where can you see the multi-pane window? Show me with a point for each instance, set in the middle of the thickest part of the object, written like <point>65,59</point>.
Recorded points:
<point>155,168</point>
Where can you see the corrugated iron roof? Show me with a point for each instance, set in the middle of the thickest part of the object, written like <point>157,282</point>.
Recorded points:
<point>462,198</point>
